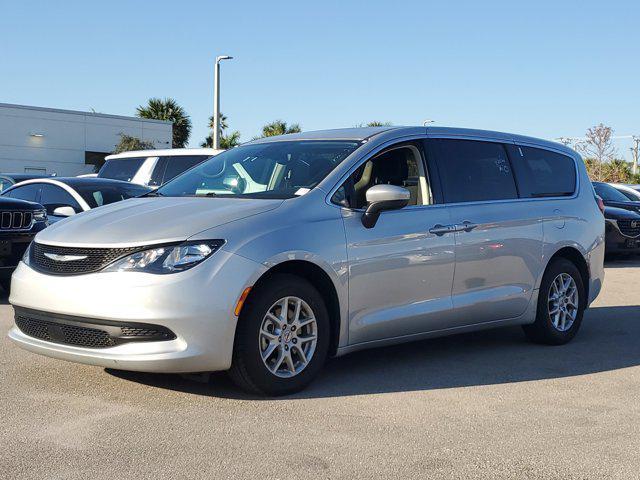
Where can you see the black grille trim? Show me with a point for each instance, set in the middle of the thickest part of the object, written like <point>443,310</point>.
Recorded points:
<point>16,220</point>
<point>85,332</point>
<point>93,259</point>
<point>628,229</point>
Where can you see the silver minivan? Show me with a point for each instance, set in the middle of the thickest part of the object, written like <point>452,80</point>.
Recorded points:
<point>270,257</point>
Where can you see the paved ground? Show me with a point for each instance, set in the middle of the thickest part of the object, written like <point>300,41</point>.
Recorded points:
<point>486,405</point>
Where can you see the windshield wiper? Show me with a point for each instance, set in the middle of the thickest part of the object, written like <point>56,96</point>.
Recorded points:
<point>152,193</point>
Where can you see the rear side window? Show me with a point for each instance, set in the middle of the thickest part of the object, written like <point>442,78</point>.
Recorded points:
<point>181,163</point>
<point>30,192</point>
<point>121,169</point>
<point>542,173</point>
<point>472,171</point>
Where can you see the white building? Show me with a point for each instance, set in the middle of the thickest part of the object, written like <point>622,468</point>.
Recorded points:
<point>67,142</point>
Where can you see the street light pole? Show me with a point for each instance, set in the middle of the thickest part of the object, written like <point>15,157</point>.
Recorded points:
<point>216,101</point>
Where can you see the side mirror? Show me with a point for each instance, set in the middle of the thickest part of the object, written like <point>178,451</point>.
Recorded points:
<point>65,211</point>
<point>383,197</point>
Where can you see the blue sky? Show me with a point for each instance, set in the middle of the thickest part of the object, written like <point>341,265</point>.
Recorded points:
<point>541,68</point>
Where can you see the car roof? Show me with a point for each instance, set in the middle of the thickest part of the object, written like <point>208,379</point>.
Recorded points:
<point>25,176</point>
<point>167,152</point>
<point>367,133</point>
<point>83,181</point>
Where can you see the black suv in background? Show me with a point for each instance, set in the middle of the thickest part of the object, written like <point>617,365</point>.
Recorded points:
<point>19,222</point>
<point>622,215</point>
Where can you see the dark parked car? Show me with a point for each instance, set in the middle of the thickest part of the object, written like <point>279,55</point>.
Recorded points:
<point>612,197</point>
<point>19,222</point>
<point>9,179</point>
<point>63,197</point>
<point>622,230</point>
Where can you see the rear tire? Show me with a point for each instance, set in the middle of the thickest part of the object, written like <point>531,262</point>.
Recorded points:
<point>561,304</point>
<point>276,357</point>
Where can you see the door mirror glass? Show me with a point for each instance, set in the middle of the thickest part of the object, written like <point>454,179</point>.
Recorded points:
<point>381,198</point>
<point>64,211</point>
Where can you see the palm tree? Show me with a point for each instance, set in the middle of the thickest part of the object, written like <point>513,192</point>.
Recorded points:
<point>168,109</point>
<point>223,122</point>
<point>279,127</point>
<point>226,141</point>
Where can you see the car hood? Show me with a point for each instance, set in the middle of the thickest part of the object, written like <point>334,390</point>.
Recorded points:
<point>633,206</point>
<point>146,221</point>
<point>614,213</point>
<point>9,203</point>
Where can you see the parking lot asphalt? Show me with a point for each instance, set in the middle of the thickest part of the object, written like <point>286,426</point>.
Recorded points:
<point>482,405</point>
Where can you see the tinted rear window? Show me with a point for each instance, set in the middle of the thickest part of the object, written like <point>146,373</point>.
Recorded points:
<point>608,193</point>
<point>542,173</point>
<point>473,171</point>
<point>121,169</point>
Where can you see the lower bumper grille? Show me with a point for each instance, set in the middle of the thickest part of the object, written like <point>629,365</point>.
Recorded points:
<point>88,333</point>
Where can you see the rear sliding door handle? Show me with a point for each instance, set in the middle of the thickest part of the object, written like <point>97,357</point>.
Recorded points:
<point>465,226</point>
<point>441,229</point>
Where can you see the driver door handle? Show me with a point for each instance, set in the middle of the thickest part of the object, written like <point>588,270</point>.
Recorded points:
<point>440,230</point>
<point>465,226</point>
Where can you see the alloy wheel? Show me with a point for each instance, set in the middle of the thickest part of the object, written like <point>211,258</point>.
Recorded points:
<point>288,337</point>
<point>563,302</point>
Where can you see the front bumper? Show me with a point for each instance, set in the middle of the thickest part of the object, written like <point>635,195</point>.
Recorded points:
<point>197,305</point>
<point>617,242</point>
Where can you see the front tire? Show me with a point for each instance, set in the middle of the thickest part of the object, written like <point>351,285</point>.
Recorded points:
<point>561,304</point>
<point>282,337</point>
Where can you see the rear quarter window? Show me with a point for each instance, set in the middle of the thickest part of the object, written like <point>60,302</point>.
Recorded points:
<point>472,170</point>
<point>543,173</point>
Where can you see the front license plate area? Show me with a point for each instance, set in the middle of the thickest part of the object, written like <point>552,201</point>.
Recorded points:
<point>5,248</point>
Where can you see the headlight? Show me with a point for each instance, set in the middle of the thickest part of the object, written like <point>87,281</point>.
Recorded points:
<point>40,215</point>
<point>27,254</point>
<point>167,259</point>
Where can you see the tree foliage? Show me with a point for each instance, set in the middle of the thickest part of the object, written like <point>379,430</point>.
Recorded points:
<point>128,143</point>
<point>598,146</point>
<point>615,171</point>
<point>279,127</point>
<point>168,109</point>
<point>227,141</point>
<point>376,123</point>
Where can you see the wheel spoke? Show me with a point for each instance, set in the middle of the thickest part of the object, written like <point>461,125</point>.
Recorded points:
<point>284,310</point>
<point>269,350</point>
<point>274,319</point>
<point>279,360</point>
<point>289,361</point>
<point>296,313</point>
<point>307,338</point>
<point>306,321</point>
<point>303,357</point>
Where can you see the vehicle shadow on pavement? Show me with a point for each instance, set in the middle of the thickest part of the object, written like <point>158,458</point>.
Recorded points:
<point>622,262</point>
<point>608,340</point>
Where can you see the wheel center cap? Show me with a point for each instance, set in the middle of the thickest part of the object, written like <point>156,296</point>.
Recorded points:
<point>287,336</point>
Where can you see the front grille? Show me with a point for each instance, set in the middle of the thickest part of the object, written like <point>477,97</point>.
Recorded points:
<point>629,228</point>
<point>15,220</point>
<point>88,260</point>
<point>87,333</point>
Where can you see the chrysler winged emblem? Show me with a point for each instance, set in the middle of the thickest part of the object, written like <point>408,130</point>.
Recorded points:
<point>64,258</point>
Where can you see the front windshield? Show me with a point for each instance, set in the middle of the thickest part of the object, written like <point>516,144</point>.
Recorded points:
<point>281,169</point>
<point>609,193</point>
